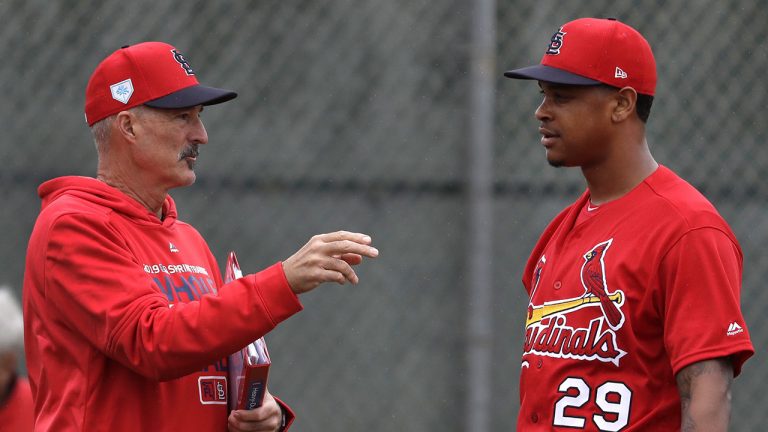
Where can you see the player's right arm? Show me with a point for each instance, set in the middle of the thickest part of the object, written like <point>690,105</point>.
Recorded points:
<point>95,287</point>
<point>95,294</point>
<point>705,395</point>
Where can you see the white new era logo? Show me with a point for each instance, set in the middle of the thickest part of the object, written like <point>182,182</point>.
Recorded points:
<point>620,73</point>
<point>734,329</point>
<point>172,247</point>
<point>122,91</point>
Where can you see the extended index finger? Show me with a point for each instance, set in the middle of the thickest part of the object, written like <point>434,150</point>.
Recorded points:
<point>345,235</point>
<point>345,247</point>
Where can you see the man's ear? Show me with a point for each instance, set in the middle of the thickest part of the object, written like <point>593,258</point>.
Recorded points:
<point>626,100</point>
<point>125,123</point>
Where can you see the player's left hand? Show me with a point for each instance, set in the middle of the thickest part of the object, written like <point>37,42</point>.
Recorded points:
<point>266,418</point>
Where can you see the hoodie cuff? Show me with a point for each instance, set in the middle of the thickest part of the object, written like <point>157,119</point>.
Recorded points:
<point>288,415</point>
<point>276,294</point>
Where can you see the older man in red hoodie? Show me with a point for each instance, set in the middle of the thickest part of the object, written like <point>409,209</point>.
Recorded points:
<point>127,319</point>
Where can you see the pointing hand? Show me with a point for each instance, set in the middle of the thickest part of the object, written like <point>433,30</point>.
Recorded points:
<point>327,258</point>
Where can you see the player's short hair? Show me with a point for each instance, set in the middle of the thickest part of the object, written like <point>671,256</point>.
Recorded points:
<point>11,322</point>
<point>643,106</point>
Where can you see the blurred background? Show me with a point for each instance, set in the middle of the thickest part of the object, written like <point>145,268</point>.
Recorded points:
<point>393,118</point>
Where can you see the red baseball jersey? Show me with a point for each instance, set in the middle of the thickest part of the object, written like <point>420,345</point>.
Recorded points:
<point>127,324</point>
<point>622,297</point>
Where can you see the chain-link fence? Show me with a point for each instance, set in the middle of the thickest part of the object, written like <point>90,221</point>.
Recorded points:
<point>356,115</point>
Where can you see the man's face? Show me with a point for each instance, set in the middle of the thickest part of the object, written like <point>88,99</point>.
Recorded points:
<point>168,143</point>
<point>574,123</point>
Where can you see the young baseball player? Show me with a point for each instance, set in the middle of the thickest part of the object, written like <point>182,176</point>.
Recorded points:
<point>633,322</point>
<point>127,321</point>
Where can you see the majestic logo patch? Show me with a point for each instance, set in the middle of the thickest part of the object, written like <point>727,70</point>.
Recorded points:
<point>122,91</point>
<point>556,42</point>
<point>183,62</point>
<point>620,73</point>
<point>734,329</point>
<point>548,331</point>
<point>172,247</point>
<point>213,390</point>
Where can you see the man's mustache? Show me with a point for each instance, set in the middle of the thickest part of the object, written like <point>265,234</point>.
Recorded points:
<point>191,151</point>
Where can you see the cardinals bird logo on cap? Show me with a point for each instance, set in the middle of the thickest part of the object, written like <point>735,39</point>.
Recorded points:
<point>556,42</point>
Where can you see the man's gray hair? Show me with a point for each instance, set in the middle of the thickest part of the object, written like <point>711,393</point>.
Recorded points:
<point>100,131</point>
<point>102,128</point>
<point>11,322</point>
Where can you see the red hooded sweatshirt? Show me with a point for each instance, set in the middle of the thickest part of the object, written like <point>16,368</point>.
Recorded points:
<point>127,323</point>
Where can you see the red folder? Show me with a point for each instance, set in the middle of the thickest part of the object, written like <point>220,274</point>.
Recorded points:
<point>249,367</point>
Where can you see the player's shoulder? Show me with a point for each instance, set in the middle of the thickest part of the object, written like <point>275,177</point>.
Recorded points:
<point>676,200</point>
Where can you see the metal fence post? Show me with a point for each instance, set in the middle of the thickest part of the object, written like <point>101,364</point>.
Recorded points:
<point>480,233</point>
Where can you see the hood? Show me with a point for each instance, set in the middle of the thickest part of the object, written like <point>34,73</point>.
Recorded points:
<point>99,193</point>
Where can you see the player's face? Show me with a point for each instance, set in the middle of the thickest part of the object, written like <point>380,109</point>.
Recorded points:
<point>574,123</point>
<point>168,148</point>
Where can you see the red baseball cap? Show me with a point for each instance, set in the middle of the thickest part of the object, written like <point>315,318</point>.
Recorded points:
<point>150,73</point>
<point>591,51</point>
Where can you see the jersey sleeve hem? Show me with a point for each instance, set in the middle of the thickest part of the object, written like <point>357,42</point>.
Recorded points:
<point>738,353</point>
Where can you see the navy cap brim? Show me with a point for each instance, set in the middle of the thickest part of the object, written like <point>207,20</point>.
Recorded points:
<point>549,74</point>
<point>192,96</point>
